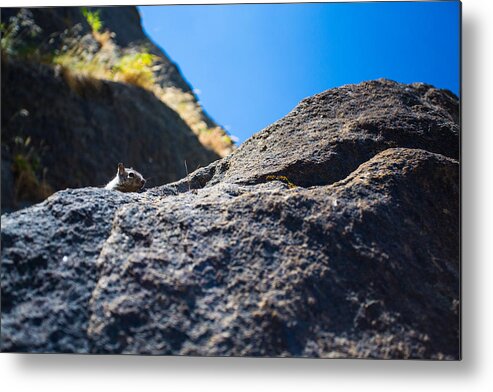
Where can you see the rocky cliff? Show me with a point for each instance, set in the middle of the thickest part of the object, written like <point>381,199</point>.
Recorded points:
<point>332,233</point>
<point>77,98</point>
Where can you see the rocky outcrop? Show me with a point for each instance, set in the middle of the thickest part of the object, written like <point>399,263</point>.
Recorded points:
<point>68,127</point>
<point>332,233</point>
<point>123,21</point>
<point>83,127</point>
<point>329,135</point>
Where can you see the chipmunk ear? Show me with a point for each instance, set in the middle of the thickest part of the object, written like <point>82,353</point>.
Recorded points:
<point>121,168</point>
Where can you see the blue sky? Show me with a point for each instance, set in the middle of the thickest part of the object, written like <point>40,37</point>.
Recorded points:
<point>251,64</point>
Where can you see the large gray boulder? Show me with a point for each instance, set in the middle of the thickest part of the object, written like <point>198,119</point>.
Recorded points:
<point>329,135</point>
<point>332,233</point>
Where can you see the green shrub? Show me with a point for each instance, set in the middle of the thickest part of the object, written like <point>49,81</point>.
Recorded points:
<point>135,68</point>
<point>93,18</point>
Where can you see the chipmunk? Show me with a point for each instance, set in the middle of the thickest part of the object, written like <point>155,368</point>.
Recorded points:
<point>126,180</point>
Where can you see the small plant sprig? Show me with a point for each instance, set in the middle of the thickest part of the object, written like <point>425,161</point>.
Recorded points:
<point>282,179</point>
<point>93,19</point>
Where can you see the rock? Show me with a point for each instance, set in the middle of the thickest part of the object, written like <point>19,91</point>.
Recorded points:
<point>329,135</point>
<point>359,258</point>
<point>123,21</point>
<point>49,271</point>
<point>84,127</point>
<point>89,125</point>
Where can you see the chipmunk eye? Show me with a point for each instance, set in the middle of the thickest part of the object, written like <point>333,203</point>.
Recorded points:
<point>131,175</point>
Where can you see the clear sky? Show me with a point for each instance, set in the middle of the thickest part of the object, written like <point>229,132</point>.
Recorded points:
<point>251,64</point>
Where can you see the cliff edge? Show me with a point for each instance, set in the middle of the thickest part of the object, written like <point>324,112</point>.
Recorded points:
<point>84,89</point>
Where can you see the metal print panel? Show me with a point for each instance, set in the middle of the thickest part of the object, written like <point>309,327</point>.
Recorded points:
<point>232,180</point>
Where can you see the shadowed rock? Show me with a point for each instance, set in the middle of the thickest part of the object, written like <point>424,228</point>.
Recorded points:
<point>48,268</point>
<point>361,260</point>
<point>87,126</point>
<point>77,121</point>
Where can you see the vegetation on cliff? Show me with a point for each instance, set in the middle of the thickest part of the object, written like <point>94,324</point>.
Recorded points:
<point>79,47</point>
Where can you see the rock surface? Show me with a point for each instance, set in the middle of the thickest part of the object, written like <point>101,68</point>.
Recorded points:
<point>329,135</point>
<point>88,128</point>
<point>88,124</point>
<point>332,233</point>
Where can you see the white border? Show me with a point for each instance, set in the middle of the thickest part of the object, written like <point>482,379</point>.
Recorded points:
<point>119,373</point>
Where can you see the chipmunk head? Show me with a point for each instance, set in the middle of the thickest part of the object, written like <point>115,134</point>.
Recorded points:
<point>130,180</point>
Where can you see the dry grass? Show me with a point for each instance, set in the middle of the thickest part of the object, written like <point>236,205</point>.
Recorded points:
<point>93,68</point>
<point>82,83</point>
<point>184,103</point>
<point>217,140</point>
<point>105,38</point>
<point>79,73</point>
<point>83,73</point>
<point>27,185</point>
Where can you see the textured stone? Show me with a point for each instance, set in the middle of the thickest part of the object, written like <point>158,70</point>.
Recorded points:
<point>82,131</point>
<point>329,135</point>
<point>89,125</point>
<point>359,258</point>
